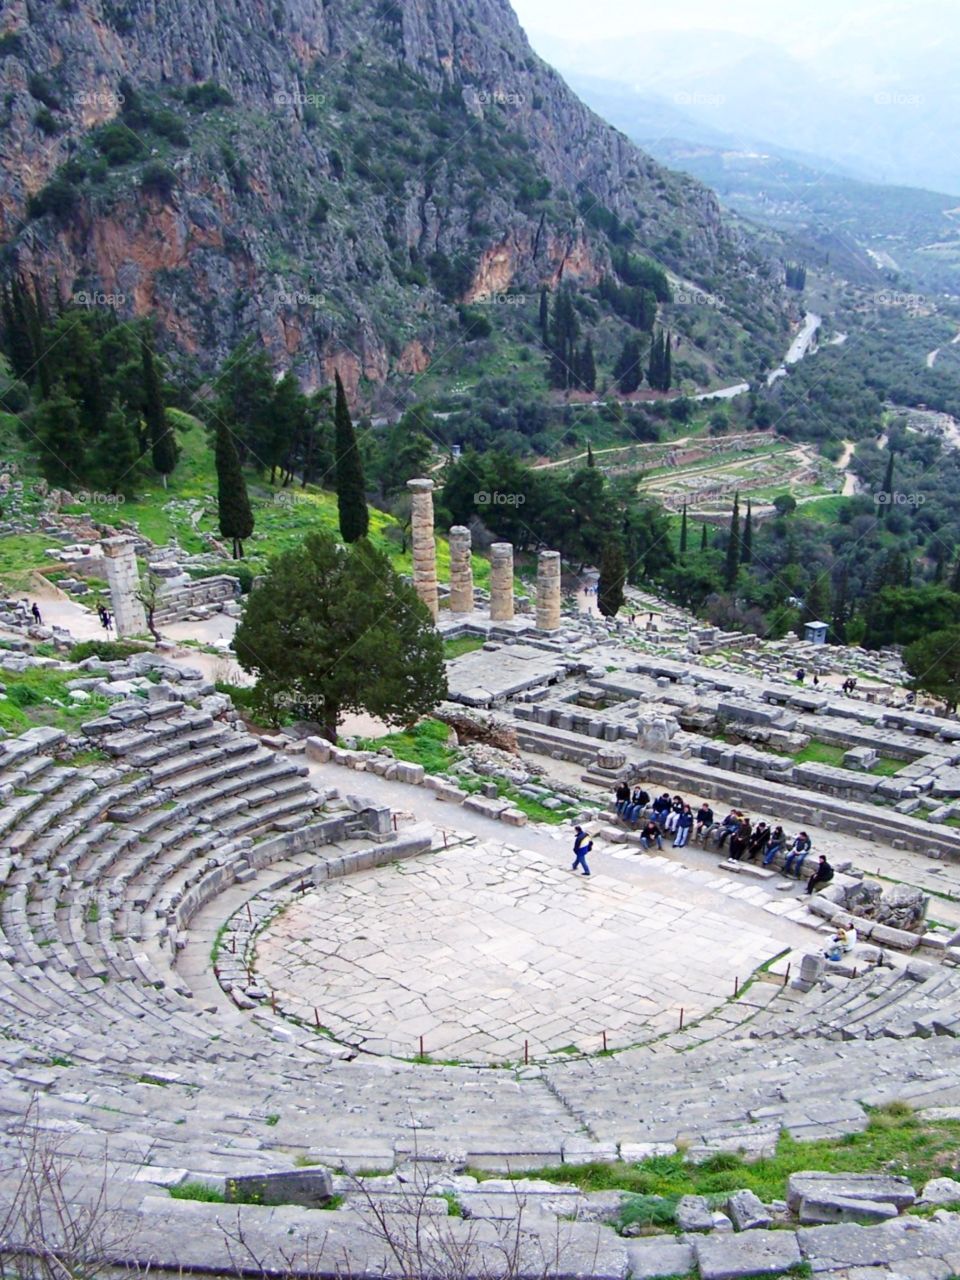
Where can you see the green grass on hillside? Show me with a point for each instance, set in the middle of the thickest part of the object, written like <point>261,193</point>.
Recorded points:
<point>20,554</point>
<point>895,1141</point>
<point>40,696</point>
<point>425,743</point>
<point>283,516</point>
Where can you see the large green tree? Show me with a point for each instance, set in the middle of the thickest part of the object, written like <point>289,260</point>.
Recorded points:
<point>732,563</point>
<point>934,664</point>
<point>335,629</point>
<point>233,501</point>
<point>351,489</point>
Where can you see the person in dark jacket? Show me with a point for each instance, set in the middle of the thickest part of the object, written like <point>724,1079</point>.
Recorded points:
<point>623,796</point>
<point>582,844</point>
<point>727,827</point>
<point>823,875</point>
<point>758,842</point>
<point>740,840</point>
<point>704,821</point>
<point>651,835</point>
<point>660,808</point>
<point>777,841</point>
<point>684,827</point>
<point>793,863</point>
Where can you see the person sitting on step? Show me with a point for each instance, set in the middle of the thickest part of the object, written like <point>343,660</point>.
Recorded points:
<point>704,821</point>
<point>777,841</point>
<point>758,842</point>
<point>651,835</point>
<point>740,840</point>
<point>793,863</point>
<point>684,827</point>
<point>673,817</point>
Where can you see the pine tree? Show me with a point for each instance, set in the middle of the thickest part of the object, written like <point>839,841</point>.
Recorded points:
<point>163,442</point>
<point>816,603</point>
<point>955,577</point>
<point>939,562</point>
<point>351,490</point>
<point>683,531</point>
<point>746,546</point>
<point>613,577</point>
<point>703,536</point>
<point>732,565</point>
<point>233,501</point>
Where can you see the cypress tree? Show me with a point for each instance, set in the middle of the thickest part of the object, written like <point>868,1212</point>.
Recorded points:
<point>590,461</point>
<point>955,577</point>
<point>683,531</point>
<point>163,444</point>
<point>627,369</point>
<point>887,487</point>
<point>655,365</point>
<point>703,536</point>
<point>732,565</point>
<point>613,577</point>
<point>588,367</point>
<point>667,370</point>
<point>233,501</point>
<point>351,490</point>
<point>746,547</point>
<point>544,316</point>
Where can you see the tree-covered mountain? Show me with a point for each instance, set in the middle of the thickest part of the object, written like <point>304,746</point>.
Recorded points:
<point>335,178</point>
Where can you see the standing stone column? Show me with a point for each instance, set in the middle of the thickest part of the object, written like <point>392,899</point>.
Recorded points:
<point>461,570</point>
<point>548,591</point>
<point>124,579</point>
<point>501,582</point>
<point>424,546</point>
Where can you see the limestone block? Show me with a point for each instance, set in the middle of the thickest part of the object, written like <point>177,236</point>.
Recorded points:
<point>940,1191</point>
<point>312,1188</point>
<point>756,1253</point>
<point>877,1187</point>
<point>694,1214</point>
<point>747,1211</point>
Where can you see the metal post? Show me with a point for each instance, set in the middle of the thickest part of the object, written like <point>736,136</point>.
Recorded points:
<point>526,1052</point>
<point>604,1042</point>
<point>681,1019</point>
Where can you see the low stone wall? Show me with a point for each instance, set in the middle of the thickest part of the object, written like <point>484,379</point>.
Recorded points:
<point>175,603</point>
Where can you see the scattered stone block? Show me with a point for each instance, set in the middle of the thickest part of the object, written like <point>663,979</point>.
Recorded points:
<point>940,1191</point>
<point>818,1210</point>
<point>311,1188</point>
<point>821,1186</point>
<point>661,1256</point>
<point>747,1211</point>
<point>694,1214</point>
<point>754,1253</point>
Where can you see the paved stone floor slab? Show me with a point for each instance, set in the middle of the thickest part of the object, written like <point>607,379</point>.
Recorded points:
<point>482,947</point>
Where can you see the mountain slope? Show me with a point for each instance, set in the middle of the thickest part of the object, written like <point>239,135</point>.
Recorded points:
<point>332,177</point>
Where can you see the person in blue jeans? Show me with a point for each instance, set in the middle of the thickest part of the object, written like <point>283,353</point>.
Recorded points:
<point>651,835</point>
<point>582,845</point>
<point>684,827</point>
<point>793,865</point>
<point>777,841</point>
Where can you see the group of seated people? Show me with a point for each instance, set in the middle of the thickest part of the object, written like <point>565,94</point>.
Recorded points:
<point>671,815</point>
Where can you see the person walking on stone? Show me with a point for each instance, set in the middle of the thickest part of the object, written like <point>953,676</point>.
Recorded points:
<point>35,610</point>
<point>582,845</point>
<point>822,875</point>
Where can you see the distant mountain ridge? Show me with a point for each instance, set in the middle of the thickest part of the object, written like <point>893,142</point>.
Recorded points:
<point>333,177</point>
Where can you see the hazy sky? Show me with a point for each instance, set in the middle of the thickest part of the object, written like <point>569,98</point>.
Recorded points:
<point>799,26</point>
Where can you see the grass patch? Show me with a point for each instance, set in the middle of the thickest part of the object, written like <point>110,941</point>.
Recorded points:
<point>20,555</point>
<point>218,943</point>
<point>272,1120</point>
<point>453,1205</point>
<point>39,696</point>
<point>825,753</point>
<point>463,644</point>
<point>202,1191</point>
<point>648,1211</point>
<point>895,1141</point>
<point>425,743</point>
<point>90,757</point>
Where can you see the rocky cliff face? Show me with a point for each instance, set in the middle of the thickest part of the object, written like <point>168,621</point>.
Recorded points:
<point>332,176</point>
